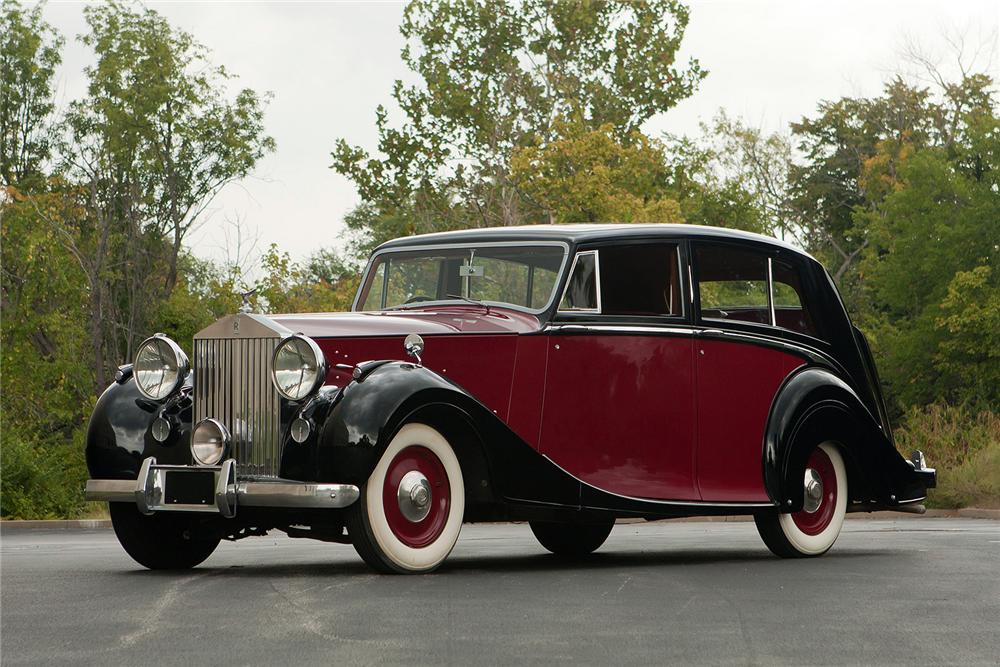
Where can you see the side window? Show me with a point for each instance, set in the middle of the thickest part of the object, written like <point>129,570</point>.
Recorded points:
<point>641,280</point>
<point>581,289</point>
<point>790,308</point>
<point>732,284</point>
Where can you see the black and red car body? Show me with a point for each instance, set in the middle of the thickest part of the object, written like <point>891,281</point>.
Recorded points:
<point>563,375</point>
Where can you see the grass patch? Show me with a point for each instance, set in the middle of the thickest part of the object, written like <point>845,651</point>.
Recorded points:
<point>964,446</point>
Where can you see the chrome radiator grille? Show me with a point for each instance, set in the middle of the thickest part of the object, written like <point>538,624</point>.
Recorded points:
<point>232,383</point>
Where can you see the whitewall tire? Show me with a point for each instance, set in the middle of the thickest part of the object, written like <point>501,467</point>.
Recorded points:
<point>812,530</point>
<point>410,512</point>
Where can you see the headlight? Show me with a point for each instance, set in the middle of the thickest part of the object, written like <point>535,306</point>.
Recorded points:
<point>160,367</point>
<point>209,442</point>
<point>298,367</point>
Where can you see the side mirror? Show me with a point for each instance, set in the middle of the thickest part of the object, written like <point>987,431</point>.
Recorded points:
<point>414,346</point>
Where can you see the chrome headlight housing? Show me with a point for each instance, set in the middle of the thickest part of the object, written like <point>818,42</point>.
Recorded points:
<point>298,367</point>
<point>209,442</point>
<point>160,367</point>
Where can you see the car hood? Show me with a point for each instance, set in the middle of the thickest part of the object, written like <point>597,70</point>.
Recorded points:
<point>452,320</point>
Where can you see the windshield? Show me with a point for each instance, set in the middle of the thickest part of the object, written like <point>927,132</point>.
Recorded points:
<point>520,276</point>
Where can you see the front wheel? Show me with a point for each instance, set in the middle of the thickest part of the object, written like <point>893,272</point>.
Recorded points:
<point>411,509</point>
<point>572,540</point>
<point>812,530</point>
<point>163,541</point>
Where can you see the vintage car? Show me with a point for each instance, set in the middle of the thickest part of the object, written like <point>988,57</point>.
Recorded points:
<point>566,376</point>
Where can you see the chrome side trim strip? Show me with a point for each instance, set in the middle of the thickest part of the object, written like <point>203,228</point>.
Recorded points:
<point>611,328</point>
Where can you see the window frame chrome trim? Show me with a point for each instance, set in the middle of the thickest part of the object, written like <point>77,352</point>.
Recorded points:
<point>356,303</point>
<point>569,277</point>
<point>770,292</point>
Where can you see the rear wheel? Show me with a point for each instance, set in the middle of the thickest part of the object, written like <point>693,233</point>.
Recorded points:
<point>411,509</point>
<point>572,539</point>
<point>163,541</point>
<point>812,530</point>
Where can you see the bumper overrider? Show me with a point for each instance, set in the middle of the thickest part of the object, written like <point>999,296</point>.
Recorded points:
<point>214,489</point>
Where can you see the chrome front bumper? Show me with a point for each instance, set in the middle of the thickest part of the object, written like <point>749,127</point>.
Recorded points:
<point>148,491</point>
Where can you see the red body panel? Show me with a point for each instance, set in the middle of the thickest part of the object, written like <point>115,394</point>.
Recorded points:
<point>736,383</point>
<point>482,365</point>
<point>664,417</point>
<point>465,344</point>
<point>619,413</point>
<point>527,391</point>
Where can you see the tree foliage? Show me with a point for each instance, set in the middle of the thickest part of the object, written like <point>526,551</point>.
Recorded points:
<point>150,146</point>
<point>524,112</point>
<point>498,77</point>
<point>590,176</point>
<point>94,211</point>
<point>29,55</point>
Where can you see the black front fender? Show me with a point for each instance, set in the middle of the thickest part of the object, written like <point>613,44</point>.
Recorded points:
<point>119,438</point>
<point>496,462</point>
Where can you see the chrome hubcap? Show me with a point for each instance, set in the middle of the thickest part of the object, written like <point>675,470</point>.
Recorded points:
<point>814,491</point>
<point>414,496</point>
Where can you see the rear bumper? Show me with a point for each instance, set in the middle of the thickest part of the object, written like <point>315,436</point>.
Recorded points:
<point>926,476</point>
<point>148,491</point>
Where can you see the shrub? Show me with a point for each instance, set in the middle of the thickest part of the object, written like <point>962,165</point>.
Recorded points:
<point>42,480</point>
<point>963,445</point>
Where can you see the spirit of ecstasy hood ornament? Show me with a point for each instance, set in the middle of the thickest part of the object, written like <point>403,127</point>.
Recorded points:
<point>245,306</point>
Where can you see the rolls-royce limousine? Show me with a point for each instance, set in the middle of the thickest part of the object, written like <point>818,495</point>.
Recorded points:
<point>565,376</point>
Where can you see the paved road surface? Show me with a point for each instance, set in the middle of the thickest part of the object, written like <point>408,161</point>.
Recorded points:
<point>908,592</point>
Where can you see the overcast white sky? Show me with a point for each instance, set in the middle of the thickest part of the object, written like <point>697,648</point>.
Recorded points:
<point>330,64</point>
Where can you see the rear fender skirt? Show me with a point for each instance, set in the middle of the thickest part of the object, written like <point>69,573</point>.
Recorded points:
<point>813,406</point>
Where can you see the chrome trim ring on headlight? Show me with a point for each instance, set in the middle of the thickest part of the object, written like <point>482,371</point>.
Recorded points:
<point>298,367</point>
<point>209,442</point>
<point>160,367</point>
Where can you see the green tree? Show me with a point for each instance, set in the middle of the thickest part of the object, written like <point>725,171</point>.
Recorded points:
<point>828,184</point>
<point>29,54</point>
<point>495,77</point>
<point>930,272</point>
<point>733,175</point>
<point>322,284</point>
<point>151,144</point>
<point>590,176</point>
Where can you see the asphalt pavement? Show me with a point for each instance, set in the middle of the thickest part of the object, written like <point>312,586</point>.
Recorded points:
<point>913,592</point>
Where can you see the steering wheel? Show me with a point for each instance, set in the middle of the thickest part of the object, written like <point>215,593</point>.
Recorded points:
<point>416,298</point>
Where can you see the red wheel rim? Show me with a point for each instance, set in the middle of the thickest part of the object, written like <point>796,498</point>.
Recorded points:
<point>816,522</point>
<point>417,534</point>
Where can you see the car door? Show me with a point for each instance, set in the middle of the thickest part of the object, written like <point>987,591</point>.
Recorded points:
<point>618,408</point>
<point>738,366</point>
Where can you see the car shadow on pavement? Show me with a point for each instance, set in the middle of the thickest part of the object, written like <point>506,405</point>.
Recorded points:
<point>611,559</point>
<point>541,562</point>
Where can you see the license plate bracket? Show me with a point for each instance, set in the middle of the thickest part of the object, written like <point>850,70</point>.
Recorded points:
<point>182,487</point>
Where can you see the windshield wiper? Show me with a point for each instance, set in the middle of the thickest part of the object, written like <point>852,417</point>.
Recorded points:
<point>470,300</point>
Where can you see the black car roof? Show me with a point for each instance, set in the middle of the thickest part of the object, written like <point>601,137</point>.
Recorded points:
<point>576,234</point>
